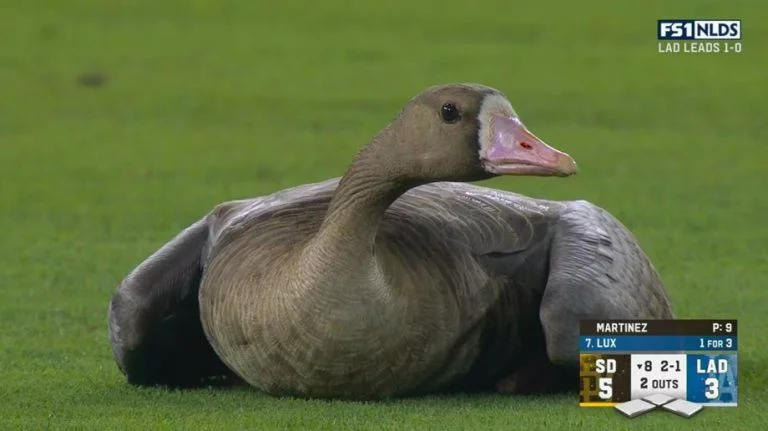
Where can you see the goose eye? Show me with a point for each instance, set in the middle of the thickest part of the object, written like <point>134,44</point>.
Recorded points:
<point>450,113</point>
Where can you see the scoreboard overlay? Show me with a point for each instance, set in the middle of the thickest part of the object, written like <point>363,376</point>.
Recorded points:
<point>624,360</point>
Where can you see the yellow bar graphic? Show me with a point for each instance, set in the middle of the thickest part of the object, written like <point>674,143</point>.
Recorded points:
<point>597,404</point>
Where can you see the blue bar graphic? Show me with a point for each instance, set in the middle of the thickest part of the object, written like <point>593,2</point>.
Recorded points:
<point>657,343</point>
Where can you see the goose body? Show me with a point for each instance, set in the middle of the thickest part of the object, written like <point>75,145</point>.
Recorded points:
<point>375,285</point>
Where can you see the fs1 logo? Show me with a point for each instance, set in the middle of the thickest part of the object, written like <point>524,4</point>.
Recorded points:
<point>689,29</point>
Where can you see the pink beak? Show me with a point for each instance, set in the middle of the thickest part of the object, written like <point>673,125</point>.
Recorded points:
<point>513,150</point>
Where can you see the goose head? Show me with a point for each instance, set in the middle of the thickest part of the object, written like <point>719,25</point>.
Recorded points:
<point>468,132</point>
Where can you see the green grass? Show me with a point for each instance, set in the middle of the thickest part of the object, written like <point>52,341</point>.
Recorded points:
<point>206,101</point>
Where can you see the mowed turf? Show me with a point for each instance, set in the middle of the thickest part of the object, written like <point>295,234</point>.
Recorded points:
<point>121,124</point>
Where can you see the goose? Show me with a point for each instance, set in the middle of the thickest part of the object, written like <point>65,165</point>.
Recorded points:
<point>401,278</point>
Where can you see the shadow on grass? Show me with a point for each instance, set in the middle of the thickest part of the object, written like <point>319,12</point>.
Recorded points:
<point>221,397</point>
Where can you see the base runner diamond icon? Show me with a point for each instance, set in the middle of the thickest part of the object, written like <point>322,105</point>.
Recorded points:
<point>635,408</point>
<point>658,399</point>
<point>683,408</point>
<point>643,405</point>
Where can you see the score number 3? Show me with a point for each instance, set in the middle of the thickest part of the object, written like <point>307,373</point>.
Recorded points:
<point>713,388</point>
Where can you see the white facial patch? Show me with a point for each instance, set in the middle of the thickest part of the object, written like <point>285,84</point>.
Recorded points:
<point>493,104</point>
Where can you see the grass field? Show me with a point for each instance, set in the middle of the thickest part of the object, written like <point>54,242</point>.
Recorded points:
<point>206,101</point>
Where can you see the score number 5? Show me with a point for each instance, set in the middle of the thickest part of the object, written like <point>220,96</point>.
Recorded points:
<point>605,388</point>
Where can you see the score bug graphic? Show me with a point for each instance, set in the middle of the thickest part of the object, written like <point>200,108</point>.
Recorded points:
<point>692,361</point>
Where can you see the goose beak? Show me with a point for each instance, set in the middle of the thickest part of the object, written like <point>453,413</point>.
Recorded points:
<point>508,148</point>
